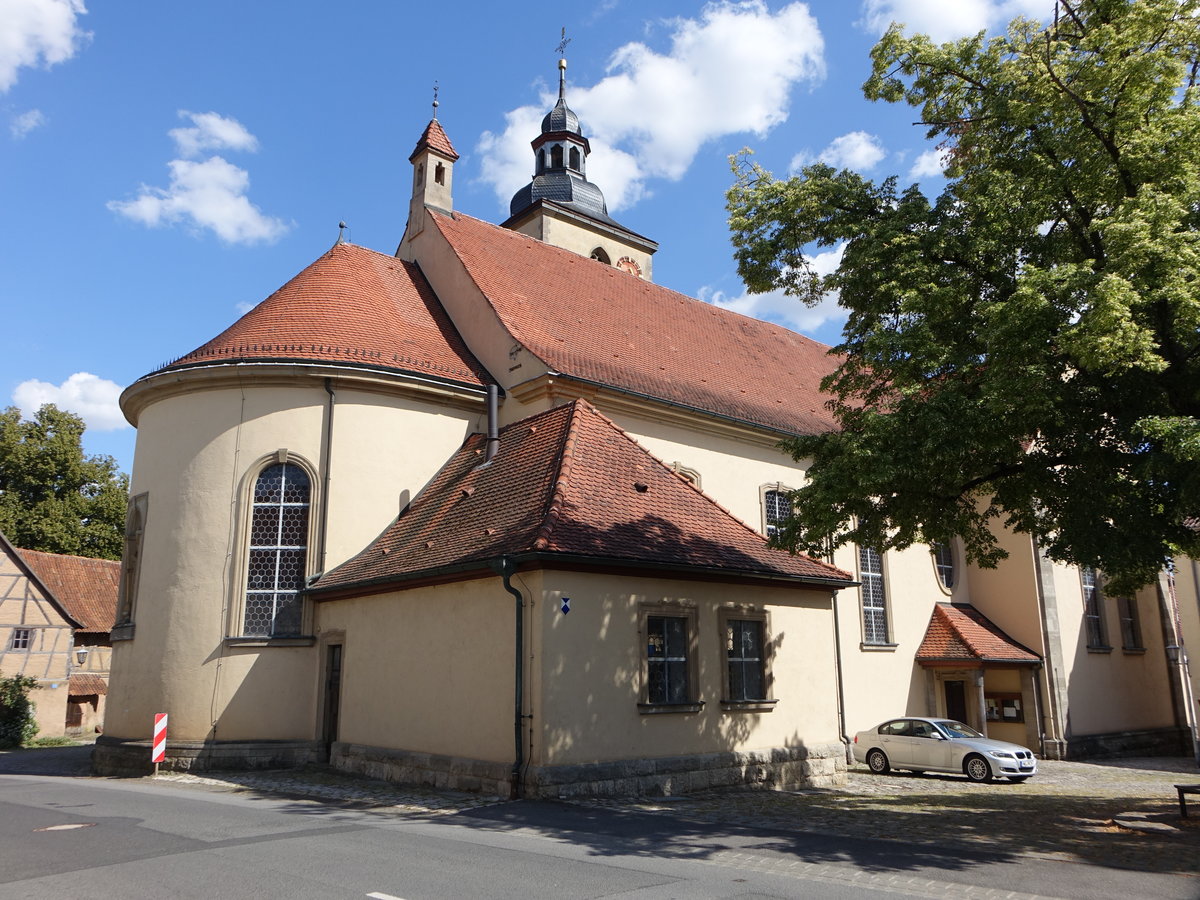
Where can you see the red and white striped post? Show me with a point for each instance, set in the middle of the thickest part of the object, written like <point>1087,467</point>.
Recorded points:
<point>159,751</point>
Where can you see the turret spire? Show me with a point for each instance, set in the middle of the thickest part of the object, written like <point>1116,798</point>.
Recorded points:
<point>562,65</point>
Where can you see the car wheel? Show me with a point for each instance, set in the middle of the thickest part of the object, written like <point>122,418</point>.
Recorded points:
<point>977,769</point>
<point>877,761</point>
<point>1018,778</point>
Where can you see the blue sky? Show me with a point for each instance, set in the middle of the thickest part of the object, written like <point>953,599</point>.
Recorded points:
<point>165,166</point>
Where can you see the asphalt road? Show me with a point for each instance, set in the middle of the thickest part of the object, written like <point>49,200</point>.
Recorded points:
<point>62,835</point>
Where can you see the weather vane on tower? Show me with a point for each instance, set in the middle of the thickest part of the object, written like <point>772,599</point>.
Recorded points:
<point>435,99</point>
<point>561,49</point>
<point>562,63</point>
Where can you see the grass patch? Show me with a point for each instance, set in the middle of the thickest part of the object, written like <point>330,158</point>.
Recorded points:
<point>50,742</point>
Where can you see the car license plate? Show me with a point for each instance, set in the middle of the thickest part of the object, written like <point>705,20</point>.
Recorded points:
<point>1027,764</point>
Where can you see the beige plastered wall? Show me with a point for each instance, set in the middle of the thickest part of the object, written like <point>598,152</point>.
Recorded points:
<point>1113,690</point>
<point>882,682</point>
<point>588,668</point>
<point>196,454</point>
<point>574,237</point>
<point>427,670</point>
<point>1187,597</point>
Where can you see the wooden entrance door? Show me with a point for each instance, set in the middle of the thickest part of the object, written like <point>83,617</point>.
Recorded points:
<point>333,695</point>
<point>956,700</point>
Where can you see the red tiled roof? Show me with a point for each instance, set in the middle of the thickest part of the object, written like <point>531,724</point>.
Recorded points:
<point>351,306</point>
<point>594,322</point>
<point>435,138</point>
<point>959,631</point>
<point>87,588</point>
<point>568,481</point>
<point>87,683</point>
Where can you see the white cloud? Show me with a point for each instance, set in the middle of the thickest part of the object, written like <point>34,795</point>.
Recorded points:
<point>26,122</point>
<point>211,131</point>
<point>857,150</point>
<point>206,194</point>
<point>930,164</point>
<point>37,31</point>
<point>782,309</point>
<point>729,71</point>
<point>945,21</point>
<point>87,395</point>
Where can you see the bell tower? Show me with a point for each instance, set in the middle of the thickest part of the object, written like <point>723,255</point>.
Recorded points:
<point>433,176</point>
<point>561,207</point>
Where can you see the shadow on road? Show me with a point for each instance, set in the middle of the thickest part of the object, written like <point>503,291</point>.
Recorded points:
<point>64,762</point>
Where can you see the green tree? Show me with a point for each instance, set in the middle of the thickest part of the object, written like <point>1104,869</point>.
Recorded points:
<point>17,722</point>
<point>52,496</point>
<point>1024,348</point>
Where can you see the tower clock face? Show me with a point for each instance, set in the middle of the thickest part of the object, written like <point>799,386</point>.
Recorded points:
<point>625,264</point>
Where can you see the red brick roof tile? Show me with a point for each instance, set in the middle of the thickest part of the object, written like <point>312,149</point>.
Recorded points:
<point>355,307</point>
<point>86,588</point>
<point>87,683</point>
<point>597,323</point>
<point>435,138</point>
<point>959,631</point>
<point>569,481</point>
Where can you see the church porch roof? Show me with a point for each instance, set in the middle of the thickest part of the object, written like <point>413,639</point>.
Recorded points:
<point>958,632</point>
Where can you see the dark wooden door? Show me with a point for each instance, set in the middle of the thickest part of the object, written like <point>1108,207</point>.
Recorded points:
<point>333,694</point>
<point>956,700</point>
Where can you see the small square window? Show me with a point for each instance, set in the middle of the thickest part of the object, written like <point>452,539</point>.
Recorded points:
<point>22,639</point>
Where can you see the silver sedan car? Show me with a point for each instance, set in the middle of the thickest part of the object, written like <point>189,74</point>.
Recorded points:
<point>941,745</point>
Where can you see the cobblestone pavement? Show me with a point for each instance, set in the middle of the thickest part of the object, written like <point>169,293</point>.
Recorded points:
<point>1122,813</point>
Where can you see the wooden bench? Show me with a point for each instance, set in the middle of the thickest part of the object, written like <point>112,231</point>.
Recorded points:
<point>1183,790</point>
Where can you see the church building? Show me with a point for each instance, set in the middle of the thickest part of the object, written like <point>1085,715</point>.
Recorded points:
<point>492,512</point>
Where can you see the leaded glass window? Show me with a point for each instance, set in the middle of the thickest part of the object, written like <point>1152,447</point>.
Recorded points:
<point>667,659</point>
<point>874,600</point>
<point>1091,609</point>
<point>278,551</point>
<point>943,561</point>
<point>744,653</point>
<point>777,506</point>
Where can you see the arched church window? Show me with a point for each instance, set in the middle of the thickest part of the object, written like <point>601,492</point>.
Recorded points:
<point>556,156</point>
<point>574,158</point>
<point>439,174</point>
<point>599,254</point>
<point>278,551</point>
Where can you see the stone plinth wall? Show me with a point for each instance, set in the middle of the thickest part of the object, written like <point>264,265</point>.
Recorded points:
<point>114,756</point>
<point>783,768</point>
<point>1116,744</point>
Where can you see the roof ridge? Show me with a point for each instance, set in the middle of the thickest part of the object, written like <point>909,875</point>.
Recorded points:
<point>566,460</point>
<point>505,325</point>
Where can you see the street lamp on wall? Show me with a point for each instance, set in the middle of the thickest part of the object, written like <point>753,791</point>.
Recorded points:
<point>1172,653</point>
<point>81,655</point>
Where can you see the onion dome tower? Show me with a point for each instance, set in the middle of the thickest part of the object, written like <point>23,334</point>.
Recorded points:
<point>561,207</point>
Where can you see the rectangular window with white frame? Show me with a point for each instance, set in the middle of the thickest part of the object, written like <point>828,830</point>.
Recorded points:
<point>22,639</point>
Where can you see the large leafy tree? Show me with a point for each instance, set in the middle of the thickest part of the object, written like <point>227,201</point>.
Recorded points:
<point>1024,349</point>
<point>52,496</point>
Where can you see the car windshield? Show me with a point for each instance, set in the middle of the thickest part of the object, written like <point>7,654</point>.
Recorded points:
<point>958,729</point>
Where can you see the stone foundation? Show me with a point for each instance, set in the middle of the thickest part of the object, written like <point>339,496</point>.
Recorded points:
<point>784,768</point>
<point>116,756</point>
<point>1117,744</point>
